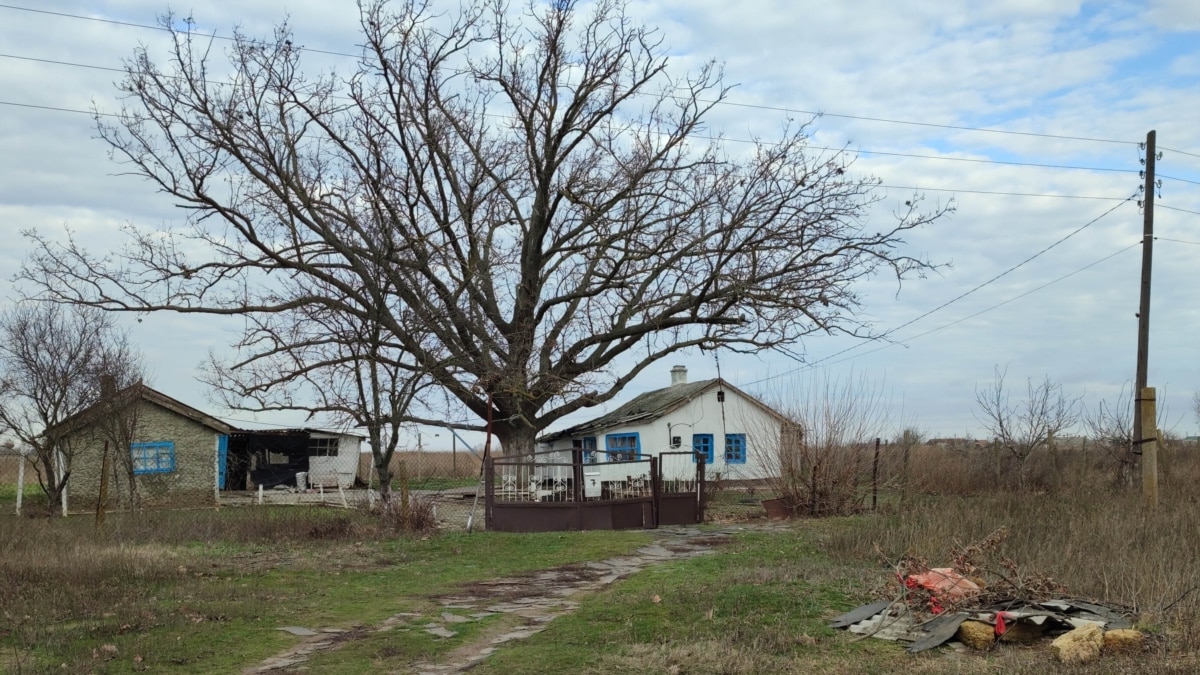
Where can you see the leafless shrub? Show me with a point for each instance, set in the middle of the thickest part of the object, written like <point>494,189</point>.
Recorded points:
<point>822,458</point>
<point>1027,427</point>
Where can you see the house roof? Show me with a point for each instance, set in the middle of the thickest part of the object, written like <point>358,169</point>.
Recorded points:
<point>143,392</point>
<point>306,431</point>
<point>654,404</point>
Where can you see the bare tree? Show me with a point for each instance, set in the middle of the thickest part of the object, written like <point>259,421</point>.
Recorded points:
<point>1030,425</point>
<point>1110,428</point>
<point>323,361</point>
<point>52,360</point>
<point>538,182</point>
<point>823,456</point>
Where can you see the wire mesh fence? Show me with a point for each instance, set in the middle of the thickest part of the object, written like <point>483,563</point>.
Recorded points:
<point>157,476</point>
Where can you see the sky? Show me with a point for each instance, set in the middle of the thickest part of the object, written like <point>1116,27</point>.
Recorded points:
<point>1028,114</point>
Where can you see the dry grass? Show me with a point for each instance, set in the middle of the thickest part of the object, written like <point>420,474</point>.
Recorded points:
<point>10,469</point>
<point>1096,538</point>
<point>423,465</point>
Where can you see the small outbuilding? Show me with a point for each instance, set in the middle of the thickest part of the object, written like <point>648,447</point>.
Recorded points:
<point>157,450</point>
<point>292,457</point>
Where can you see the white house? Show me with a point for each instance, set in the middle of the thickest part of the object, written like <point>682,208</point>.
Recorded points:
<point>737,434</point>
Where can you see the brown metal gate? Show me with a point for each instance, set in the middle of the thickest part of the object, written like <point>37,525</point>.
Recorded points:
<point>537,494</point>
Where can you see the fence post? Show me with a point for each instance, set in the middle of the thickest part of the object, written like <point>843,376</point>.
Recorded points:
<point>700,487</point>
<point>875,478</point>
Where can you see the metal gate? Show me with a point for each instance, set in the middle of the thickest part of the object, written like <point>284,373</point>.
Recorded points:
<point>544,493</point>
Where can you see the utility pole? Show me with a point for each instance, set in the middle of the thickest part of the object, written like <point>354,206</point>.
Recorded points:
<point>1143,344</point>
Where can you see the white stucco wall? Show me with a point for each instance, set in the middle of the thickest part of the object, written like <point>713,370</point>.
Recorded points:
<point>704,414</point>
<point>336,471</point>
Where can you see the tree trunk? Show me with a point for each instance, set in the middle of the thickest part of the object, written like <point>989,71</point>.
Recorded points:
<point>516,440</point>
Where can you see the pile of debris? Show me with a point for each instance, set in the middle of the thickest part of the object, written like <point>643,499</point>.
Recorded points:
<point>980,608</point>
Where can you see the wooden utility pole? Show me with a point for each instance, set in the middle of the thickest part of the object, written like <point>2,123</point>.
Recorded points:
<point>1143,344</point>
<point>1147,440</point>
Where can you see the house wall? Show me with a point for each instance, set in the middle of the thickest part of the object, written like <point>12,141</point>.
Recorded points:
<point>190,484</point>
<point>704,414</point>
<point>336,471</point>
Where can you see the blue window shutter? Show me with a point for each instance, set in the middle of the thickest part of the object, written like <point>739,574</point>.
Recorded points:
<point>222,459</point>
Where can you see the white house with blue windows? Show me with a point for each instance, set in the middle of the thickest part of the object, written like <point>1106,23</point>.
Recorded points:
<point>737,434</point>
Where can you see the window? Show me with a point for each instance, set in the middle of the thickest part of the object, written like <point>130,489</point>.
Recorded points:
<point>622,447</point>
<point>735,448</point>
<point>702,445</point>
<point>587,446</point>
<point>154,457</point>
<point>322,447</point>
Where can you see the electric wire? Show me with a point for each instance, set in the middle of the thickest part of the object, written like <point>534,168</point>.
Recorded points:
<point>1181,180</point>
<point>1181,152</point>
<point>953,300</point>
<point>1158,205</point>
<point>813,113</point>
<point>955,322</point>
<point>892,187</point>
<point>1178,241</point>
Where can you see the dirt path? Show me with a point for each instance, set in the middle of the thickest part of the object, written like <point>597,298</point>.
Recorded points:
<point>530,602</point>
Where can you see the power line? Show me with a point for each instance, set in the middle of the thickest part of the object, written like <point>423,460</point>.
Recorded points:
<point>50,107</point>
<point>814,113</point>
<point>145,26</point>
<point>890,187</point>
<point>925,124</point>
<point>1177,241</point>
<point>954,299</point>
<point>1005,194</point>
<point>1176,208</point>
<point>1181,152</point>
<point>1181,180</point>
<point>61,63</point>
<point>984,311</point>
<point>861,151</point>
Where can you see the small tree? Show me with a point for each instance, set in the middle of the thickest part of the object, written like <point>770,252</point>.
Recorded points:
<point>822,455</point>
<point>1024,428</point>
<point>52,361</point>
<point>1110,428</point>
<point>908,439</point>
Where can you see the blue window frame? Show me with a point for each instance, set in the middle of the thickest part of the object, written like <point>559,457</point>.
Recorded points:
<point>153,457</point>
<point>623,447</point>
<point>702,445</point>
<point>735,448</point>
<point>587,446</point>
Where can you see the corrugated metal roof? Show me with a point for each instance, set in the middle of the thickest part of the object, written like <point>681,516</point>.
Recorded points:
<point>646,407</point>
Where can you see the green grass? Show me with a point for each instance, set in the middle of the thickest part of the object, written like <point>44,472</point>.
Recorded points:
<point>205,591</point>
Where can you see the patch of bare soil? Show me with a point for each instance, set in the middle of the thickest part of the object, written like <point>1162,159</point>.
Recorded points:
<point>526,603</point>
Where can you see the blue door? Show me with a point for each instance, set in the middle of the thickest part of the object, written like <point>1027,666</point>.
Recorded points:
<point>222,457</point>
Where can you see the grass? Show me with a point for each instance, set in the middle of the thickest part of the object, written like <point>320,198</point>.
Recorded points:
<point>206,591</point>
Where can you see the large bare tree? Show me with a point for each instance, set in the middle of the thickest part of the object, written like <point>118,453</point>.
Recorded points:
<point>54,361</point>
<point>553,211</point>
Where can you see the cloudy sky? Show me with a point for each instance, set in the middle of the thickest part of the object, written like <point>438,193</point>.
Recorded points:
<point>1028,114</point>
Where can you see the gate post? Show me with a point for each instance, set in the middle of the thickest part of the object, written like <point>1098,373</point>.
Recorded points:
<point>654,491</point>
<point>489,491</point>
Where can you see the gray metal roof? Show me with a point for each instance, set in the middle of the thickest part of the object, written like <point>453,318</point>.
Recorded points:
<point>646,407</point>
